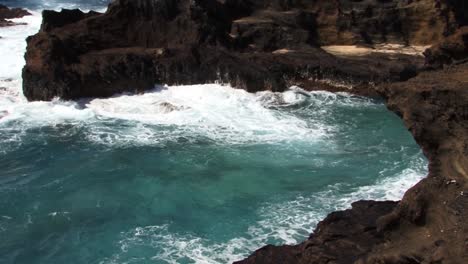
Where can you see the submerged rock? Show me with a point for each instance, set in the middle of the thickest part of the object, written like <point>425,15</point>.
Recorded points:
<point>3,114</point>
<point>166,107</point>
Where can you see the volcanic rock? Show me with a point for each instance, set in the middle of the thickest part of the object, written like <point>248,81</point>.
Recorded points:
<point>7,13</point>
<point>250,44</point>
<point>429,224</point>
<point>342,237</point>
<point>257,45</point>
<point>453,49</point>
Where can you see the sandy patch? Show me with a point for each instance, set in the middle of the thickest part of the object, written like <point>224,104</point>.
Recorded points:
<point>282,51</point>
<point>351,50</point>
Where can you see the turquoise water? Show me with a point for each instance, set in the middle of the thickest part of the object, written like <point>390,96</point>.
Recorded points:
<point>112,181</point>
<point>188,174</point>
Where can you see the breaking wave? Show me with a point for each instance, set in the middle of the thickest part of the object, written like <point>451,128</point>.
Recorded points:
<point>212,113</point>
<point>280,223</point>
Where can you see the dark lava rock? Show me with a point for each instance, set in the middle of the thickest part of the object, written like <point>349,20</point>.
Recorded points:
<point>342,237</point>
<point>453,49</point>
<point>250,44</point>
<point>53,19</point>
<point>7,13</point>
<point>431,218</point>
<point>257,45</point>
<point>429,224</point>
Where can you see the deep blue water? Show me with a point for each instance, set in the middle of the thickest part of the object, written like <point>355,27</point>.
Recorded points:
<point>210,179</point>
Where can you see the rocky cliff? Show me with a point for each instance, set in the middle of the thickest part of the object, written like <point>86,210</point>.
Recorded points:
<point>251,44</point>
<point>429,224</point>
<point>257,45</point>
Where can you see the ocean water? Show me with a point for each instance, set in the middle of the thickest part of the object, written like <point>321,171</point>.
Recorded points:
<point>183,174</point>
<point>57,4</point>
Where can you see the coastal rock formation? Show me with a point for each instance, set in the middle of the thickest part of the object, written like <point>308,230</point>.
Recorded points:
<point>342,237</point>
<point>7,13</point>
<point>434,106</point>
<point>250,44</point>
<point>429,224</point>
<point>257,45</point>
<point>453,49</point>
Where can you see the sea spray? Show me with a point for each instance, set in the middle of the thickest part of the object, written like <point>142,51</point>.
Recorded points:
<point>184,174</point>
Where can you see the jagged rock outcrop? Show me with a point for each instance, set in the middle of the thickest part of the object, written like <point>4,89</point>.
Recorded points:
<point>7,13</point>
<point>342,237</point>
<point>432,215</point>
<point>429,224</point>
<point>453,49</point>
<point>257,45</point>
<point>251,44</point>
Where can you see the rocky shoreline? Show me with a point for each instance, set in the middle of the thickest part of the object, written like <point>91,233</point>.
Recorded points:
<point>252,45</point>
<point>429,224</point>
<point>6,14</point>
<point>271,45</point>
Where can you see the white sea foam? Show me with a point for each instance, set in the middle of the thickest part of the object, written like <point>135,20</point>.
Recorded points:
<point>216,112</point>
<point>219,113</point>
<point>12,48</point>
<point>281,223</point>
<point>57,5</point>
<point>13,44</point>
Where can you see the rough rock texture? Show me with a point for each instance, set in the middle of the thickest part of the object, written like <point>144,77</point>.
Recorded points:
<point>251,44</point>
<point>7,13</point>
<point>453,49</point>
<point>342,237</point>
<point>419,22</point>
<point>257,45</point>
<point>432,216</point>
<point>429,225</point>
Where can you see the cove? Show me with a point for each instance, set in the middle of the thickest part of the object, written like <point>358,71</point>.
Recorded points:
<point>185,174</point>
<point>191,174</point>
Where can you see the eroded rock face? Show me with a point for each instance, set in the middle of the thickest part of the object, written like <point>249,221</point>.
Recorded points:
<point>432,215</point>
<point>251,44</point>
<point>258,45</point>
<point>429,225</point>
<point>420,22</point>
<point>453,49</point>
